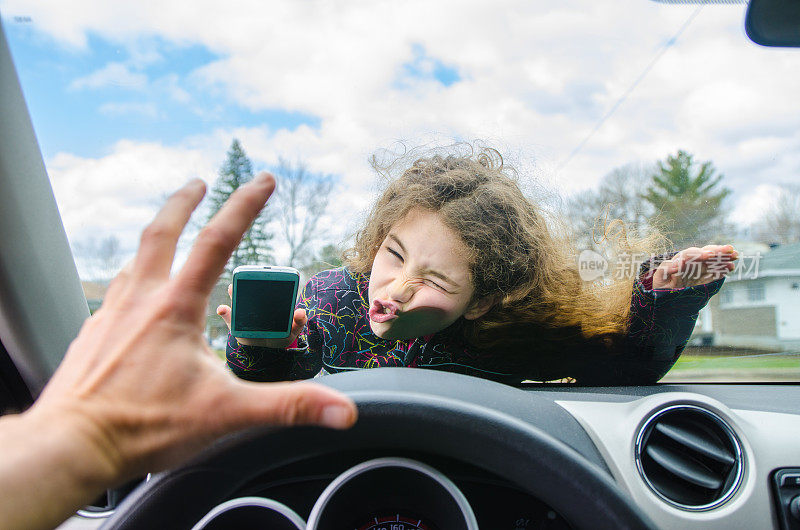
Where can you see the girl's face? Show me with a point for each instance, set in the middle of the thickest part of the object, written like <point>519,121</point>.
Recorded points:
<point>420,281</point>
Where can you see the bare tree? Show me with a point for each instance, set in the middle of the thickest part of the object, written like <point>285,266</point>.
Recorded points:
<point>301,201</point>
<point>100,259</point>
<point>619,196</point>
<point>781,223</point>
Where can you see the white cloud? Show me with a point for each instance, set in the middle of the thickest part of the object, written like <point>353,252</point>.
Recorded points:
<point>170,84</point>
<point>750,208</point>
<point>148,110</point>
<point>536,78</point>
<point>120,193</point>
<point>112,74</point>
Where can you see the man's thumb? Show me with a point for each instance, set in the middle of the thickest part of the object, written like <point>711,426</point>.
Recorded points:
<point>295,404</point>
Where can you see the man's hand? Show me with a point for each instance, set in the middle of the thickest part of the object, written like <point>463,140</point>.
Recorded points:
<point>695,266</point>
<point>140,383</point>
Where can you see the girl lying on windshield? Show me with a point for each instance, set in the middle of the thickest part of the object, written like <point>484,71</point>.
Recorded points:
<point>456,270</point>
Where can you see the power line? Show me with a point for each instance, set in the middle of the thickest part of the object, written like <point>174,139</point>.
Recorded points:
<point>668,44</point>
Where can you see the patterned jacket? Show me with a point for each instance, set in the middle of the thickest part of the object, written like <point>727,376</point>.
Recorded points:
<point>338,337</point>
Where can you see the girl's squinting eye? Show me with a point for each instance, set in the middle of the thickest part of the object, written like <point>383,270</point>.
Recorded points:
<point>438,286</point>
<point>395,253</point>
<point>399,257</point>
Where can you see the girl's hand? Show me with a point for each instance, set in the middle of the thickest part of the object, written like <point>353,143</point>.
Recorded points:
<point>298,323</point>
<point>695,266</point>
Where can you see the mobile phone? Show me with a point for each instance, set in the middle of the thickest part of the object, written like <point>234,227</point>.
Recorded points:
<point>263,300</point>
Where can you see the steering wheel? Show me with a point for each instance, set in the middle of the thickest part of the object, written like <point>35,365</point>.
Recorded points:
<point>452,415</point>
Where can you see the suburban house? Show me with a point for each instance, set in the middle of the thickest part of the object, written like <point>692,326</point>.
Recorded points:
<point>94,292</point>
<point>759,304</point>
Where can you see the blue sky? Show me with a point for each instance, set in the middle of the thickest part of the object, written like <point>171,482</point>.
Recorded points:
<point>423,66</point>
<point>156,101</point>
<point>131,100</point>
<point>160,103</point>
<point>84,100</point>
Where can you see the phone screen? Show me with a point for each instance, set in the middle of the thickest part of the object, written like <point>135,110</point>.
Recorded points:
<point>263,305</point>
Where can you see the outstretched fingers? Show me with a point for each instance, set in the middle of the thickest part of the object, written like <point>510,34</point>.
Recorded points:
<point>119,283</point>
<point>160,237</point>
<point>219,238</point>
<point>697,266</point>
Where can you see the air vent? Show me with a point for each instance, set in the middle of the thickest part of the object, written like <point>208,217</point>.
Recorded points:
<point>689,457</point>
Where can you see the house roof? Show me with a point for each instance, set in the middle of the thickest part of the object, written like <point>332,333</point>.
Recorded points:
<point>782,258</point>
<point>783,261</point>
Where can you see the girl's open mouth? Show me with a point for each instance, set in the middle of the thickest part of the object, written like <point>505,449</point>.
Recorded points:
<point>382,311</point>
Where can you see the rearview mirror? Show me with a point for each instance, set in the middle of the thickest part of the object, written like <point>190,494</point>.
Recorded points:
<point>773,22</point>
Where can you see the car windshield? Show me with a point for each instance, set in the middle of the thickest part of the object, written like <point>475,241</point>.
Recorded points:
<point>650,112</point>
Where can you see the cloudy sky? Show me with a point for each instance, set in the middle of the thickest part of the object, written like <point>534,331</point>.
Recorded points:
<point>132,99</point>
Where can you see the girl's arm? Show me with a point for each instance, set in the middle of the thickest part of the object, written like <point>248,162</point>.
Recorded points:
<point>660,324</point>
<point>297,361</point>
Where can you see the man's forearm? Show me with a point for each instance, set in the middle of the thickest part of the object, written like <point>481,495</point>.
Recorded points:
<point>47,470</point>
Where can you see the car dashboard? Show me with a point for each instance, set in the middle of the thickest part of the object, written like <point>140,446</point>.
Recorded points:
<point>689,456</point>
<point>418,491</point>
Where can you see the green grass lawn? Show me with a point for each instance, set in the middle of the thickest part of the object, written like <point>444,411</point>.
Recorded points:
<point>742,368</point>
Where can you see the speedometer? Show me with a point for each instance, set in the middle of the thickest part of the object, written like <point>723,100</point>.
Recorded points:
<point>392,493</point>
<point>395,522</point>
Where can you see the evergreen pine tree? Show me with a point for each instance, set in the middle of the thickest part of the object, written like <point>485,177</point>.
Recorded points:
<point>687,200</point>
<point>256,245</point>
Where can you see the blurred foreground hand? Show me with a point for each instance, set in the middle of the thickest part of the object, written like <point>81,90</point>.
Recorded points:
<point>139,390</point>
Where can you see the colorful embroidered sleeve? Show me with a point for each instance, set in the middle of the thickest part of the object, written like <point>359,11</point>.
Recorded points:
<point>256,363</point>
<point>660,324</point>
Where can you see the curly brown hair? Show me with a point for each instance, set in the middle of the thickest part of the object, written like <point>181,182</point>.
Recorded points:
<point>519,254</point>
